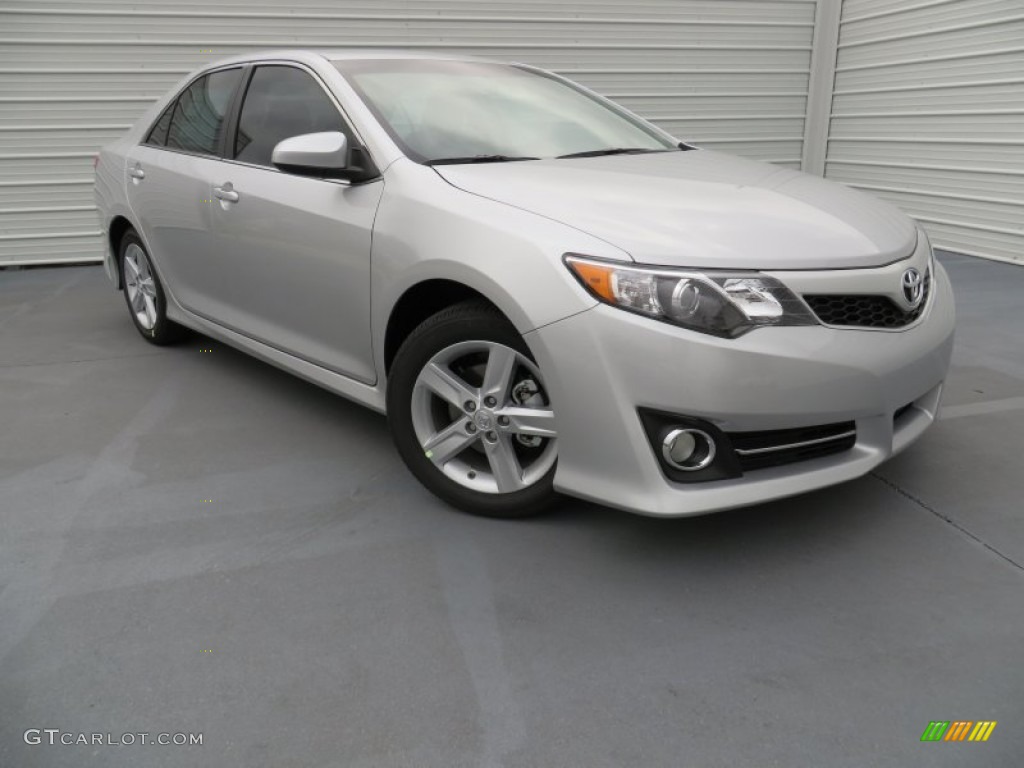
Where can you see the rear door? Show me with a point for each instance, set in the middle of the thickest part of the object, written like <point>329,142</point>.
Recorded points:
<point>294,251</point>
<point>169,181</point>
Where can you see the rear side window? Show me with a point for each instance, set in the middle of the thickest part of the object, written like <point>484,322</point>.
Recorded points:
<point>197,122</point>
<point>282,102</point>
<point>158,135</point>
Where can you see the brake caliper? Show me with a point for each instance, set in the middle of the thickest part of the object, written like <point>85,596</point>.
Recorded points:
<point>526,393</point>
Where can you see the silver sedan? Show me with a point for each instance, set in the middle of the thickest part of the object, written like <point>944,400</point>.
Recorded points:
<point>544,292</point>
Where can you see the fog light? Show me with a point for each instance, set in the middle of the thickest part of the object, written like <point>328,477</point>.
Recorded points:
<point>688,449</point>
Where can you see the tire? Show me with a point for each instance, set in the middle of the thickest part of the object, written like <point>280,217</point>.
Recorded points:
<point>470,416</point>
<point>144,294</point>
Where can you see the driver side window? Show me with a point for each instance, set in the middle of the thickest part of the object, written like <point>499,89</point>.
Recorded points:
<point>282,102</point>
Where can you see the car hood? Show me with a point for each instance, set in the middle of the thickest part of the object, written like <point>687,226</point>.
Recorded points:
<point>701,209</point>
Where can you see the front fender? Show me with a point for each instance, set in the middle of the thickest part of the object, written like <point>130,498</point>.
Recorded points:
<point>427,229</point>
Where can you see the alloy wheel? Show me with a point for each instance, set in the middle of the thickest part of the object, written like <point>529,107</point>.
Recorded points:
<point>140,286</point>
<point>481,415</point>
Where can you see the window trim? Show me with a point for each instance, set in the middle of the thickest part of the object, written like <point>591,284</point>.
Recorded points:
<point>234,113</point>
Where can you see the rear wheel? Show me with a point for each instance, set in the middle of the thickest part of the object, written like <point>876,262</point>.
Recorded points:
<point>470,415</point>
<point>144,293</point>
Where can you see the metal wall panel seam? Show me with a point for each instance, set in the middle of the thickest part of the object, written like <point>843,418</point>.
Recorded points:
<point>51,261</point>
<point>934,193</point>
<point>738,116</point>
<point>48,209</point>
<point>821,86</point>
<point>929,59</point>
<point>58,127</point>
<point>933,140</point>
<point>703,95</point>
<point>432,19</point>
<point>927,167</point>
<point>45,182</point>
<point>744,139</point>
<point>971,225</point>
<point>571,71</point>
<point>90,71</point>
<point>453,44</point>
<point>898,10</point>
<point>45,155</point>
<point>564,70</point>
<point>931,31</point>
<point>930,86</point>
<point>65,99</point>
<point>934,113</point>
<point>49,235</point>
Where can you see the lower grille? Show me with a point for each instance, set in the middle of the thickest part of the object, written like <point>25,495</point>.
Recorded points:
<point>774,448</point>
<point>866,311</point>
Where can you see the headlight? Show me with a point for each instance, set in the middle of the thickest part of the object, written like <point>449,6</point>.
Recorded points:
<point>725,304</point>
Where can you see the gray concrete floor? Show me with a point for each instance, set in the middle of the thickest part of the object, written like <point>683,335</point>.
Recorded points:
<point>196,542</point>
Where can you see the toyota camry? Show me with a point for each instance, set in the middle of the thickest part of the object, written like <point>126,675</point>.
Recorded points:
<point>544,292</point>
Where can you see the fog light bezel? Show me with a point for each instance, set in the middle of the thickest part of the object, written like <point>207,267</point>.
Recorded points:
<point>700,438</point>
<point>657,424</point>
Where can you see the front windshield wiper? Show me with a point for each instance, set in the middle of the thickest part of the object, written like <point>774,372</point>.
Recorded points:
<point>477,159</point>
<point>611,151</point>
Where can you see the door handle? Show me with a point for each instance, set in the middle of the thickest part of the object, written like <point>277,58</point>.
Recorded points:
<point>137,173</point>
<point>226,193</point>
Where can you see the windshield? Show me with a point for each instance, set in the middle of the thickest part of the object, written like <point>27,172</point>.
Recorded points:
<point>462,111</point>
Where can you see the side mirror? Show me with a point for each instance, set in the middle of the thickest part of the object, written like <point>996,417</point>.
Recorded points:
<point>324,154</point>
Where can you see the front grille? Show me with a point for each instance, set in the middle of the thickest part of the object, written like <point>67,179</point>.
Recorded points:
<point>866,311</point>
<point>773,448</point>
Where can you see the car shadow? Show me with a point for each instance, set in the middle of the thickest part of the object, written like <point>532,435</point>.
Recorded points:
<point>781,528</point>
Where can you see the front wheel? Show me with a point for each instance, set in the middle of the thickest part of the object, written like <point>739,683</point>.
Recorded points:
<point>470,414</point>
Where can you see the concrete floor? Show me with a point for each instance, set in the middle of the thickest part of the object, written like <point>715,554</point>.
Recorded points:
<point>196,542</point>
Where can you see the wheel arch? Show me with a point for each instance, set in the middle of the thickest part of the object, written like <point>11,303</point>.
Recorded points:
<point>420,301</point>
<point>119,225</point>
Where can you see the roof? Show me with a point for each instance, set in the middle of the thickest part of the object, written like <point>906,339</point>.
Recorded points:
<point>394,53</point>
<point>346,54</point>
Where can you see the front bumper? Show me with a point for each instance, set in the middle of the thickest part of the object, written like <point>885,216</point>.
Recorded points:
<point>602,365</point>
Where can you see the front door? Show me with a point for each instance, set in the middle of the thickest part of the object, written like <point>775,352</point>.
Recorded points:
<point>294,251</point>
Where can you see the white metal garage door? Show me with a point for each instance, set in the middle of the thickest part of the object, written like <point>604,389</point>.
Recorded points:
<point>928,112</point>
<point>730,74</point>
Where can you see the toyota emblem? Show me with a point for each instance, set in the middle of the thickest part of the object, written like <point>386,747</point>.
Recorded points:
<point>913,287</point>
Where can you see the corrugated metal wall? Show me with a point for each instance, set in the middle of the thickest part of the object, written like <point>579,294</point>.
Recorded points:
<point>928,112</point>
<point>927,108</point>
<point>730,74</point>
